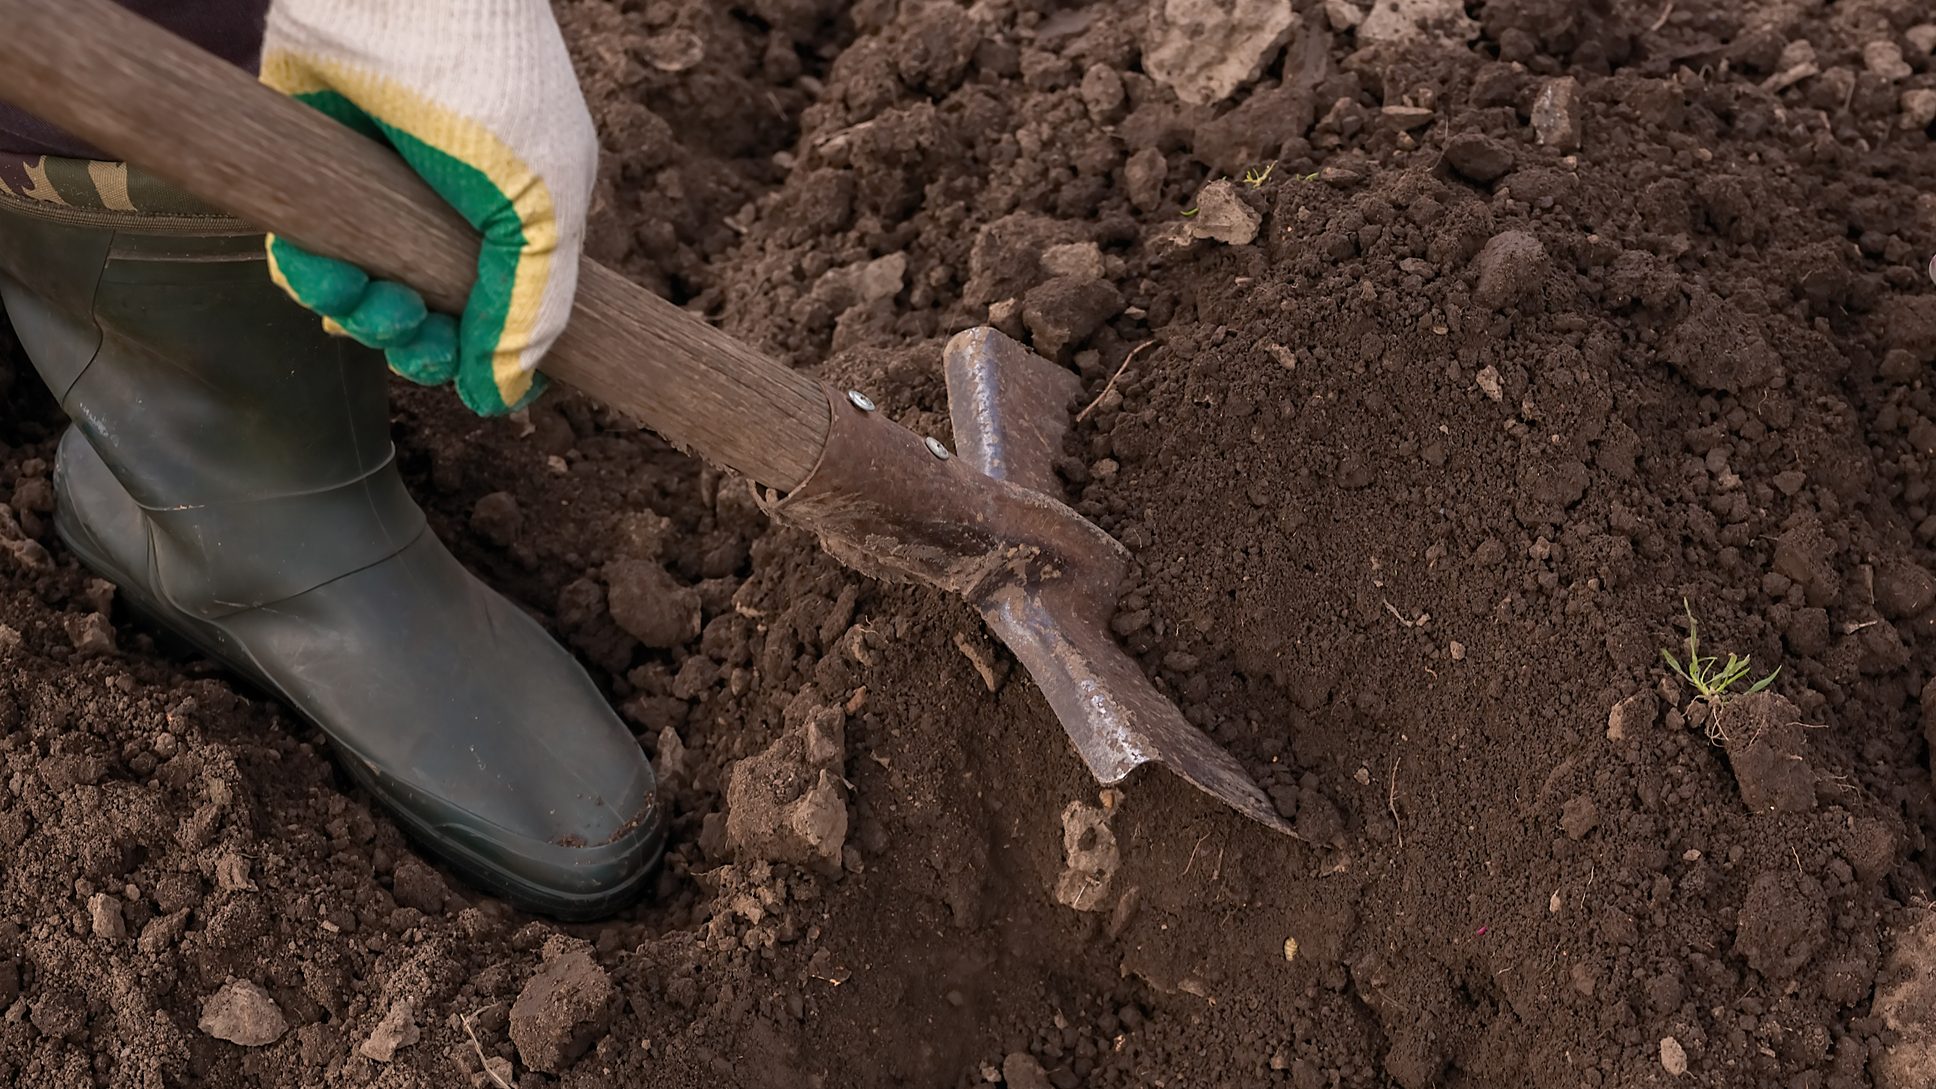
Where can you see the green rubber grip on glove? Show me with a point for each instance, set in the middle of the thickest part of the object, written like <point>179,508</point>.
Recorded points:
<point>422,346</point>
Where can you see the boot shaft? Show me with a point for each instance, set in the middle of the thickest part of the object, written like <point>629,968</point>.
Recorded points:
<point>164,339</point>
<point>256,445</point>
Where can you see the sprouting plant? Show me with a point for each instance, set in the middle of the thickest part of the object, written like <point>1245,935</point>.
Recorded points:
<point>1255,177</point>
<point>1189,213</point>
<point>1710,676</point>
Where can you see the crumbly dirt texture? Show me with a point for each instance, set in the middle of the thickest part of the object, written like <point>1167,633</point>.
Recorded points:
<point>1513,326</point>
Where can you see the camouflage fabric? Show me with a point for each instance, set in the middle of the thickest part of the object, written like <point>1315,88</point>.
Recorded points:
<point>90,185</point>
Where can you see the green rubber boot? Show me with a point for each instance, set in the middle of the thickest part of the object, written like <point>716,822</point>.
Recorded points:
<point>230,469</point>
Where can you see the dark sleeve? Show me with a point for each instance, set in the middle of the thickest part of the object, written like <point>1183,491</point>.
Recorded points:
<point>231,29</point>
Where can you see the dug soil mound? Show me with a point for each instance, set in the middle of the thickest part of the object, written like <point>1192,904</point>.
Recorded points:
<point>1440,360</point>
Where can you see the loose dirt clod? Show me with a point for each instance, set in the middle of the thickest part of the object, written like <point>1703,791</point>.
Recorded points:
<point>788,803</point>
<point>1479,157</point>
<point>1206,49</point>
<point>242,1013</point>
<point>1632,715</point>
<point>397,1030</point>
<point>1767,748</point>
<point>1579,817</point>
<point>1905,1001</point>
<point>1063,312</point>
<point>1221,214</point>
<point>498,519</point>
<point>1510,269</point>
<point>416,885</point>
<point>1090,858</point>
<point>1783,923</point>
<point>1439,22</point>
<point>648,603</point>
<point>562,1011</point>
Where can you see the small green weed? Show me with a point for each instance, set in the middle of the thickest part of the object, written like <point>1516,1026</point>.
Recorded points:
<point>1255,177</point>
<point>1711,677</point>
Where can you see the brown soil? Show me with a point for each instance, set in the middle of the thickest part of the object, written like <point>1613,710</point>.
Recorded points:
<point>1416,482</point>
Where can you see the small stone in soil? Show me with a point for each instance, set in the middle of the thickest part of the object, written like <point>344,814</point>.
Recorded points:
<point>1083,259</point>
<point>1007,316</point>
<point>1488,382</point>
<point>242,1013</point>
<point>1343,15</point>
<point>1102,93</point>
<point>1144,176</point>
<point>104,912</point>
<point>1884,58</point>
<point>29,554</point>
<point>669,759</point>
<point>564,1009</point>
<point>1673,1057</point>
<point>91,634</point>
<point>396,1031</point>
<point>1021,1071</point>
<point>1406,118</point>
<point>1918,108</point>
<point>1557,114</point>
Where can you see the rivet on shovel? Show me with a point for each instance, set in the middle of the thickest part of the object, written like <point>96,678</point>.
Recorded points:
<point>861,400</point>
<point>938,450</point>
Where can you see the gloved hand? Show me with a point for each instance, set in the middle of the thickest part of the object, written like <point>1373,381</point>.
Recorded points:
<point>480,98</point>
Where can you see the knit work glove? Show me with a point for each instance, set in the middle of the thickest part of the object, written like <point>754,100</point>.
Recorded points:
<point>478,96</point>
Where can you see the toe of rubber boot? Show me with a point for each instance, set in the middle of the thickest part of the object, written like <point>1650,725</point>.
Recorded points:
<point>482,735</point>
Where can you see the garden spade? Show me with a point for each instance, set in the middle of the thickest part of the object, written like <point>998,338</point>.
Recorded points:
<point>985,521</point>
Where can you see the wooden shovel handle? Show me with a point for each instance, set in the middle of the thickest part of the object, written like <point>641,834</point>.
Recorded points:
<point>139,92</point>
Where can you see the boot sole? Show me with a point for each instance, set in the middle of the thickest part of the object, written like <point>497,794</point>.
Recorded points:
<point>565,906</point>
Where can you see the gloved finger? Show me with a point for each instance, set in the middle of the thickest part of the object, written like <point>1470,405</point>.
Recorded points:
<point>330,287</point>
<point>429,358</point>
<point>387,316</point>
<point>496,370</point>
<point>483,396</point>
